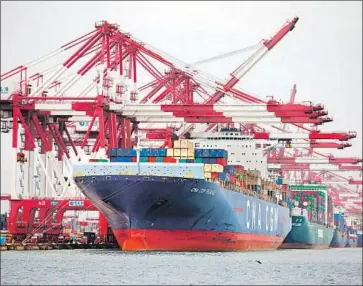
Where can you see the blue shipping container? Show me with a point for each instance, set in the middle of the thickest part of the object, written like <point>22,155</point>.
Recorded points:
<point>206,160</point>
<point>198,153</point>
<point>229,169</point>
<point>126,152</point>
<point>2,239</point>
<point>190,160</point>
<point>113,152</point>
<point>224,177</point>
<point>162,152</point>
<point>212,161</point>
<point>205,153</point>
<point>221,153</point>
<point>212,153</point>
<point>121,159</point>
<point>144,152</point>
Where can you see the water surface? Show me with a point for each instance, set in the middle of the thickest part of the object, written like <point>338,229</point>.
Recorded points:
<point>114,267</point>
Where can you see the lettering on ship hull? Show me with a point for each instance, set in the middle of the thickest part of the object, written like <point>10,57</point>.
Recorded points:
<point>254,217</point>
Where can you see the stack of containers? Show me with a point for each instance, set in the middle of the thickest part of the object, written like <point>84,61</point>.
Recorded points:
<point>147,155</point>
<point>183,151</point>
<point>214,161</point>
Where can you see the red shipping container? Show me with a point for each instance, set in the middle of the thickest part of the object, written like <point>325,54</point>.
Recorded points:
<point>221,161</point>
<point>169,160</point>
<point>133,159</point>
<point>215,175</point>
<point>232,179</point>
<point>151,159</point>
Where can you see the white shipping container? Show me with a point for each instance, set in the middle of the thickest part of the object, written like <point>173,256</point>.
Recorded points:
<point>177,144</point>
<point>217,168</point>
<point>207,175</point>
<point>190,153</point>
<point>177,153</point>
<point>207,168</point>
<point>184,153</point>
<point>170,152</point>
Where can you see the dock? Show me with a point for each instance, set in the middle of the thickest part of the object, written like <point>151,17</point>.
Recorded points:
<point>53,246</point>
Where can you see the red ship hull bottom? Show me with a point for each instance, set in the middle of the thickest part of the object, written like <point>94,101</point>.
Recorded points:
<point>303,246</point>
<point>188,240</point>
<point>341,245</point>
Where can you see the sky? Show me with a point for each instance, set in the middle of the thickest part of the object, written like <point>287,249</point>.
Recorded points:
<point>322,55</point>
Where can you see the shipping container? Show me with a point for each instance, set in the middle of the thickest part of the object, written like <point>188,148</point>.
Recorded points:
<point>169,160</point>
<point>183,152</point>
<point>229,169</point>
<point>125,152</point>
<point>207,175</point>
<point>121,159</point>
<point>182,160</point>
<point>159,159</point>
<point>206,160</point>
<point>177,144</point>
<point>186,144</point>
<point>170,152</point>
<point>207,168</point>
<point>221,161</point>
<point>113,152</point>
<point>206,153</point>
<point>212,160</point>
<point>217,168</point>
<point>190,153</point>
<point>151,159</point>
<point>190,161</point>
<point>215,175</point>
<point>133,159</point>
<point>198,153</point>
<point>224,177</point>
<point>232,179</point>
<point>198,160</point>
<point>161,152</point>
<point>212,153</point>
<point>144,159</point>
<point>177,153</point>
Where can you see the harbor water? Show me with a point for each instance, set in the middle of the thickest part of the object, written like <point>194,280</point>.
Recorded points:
<point>114,267</point>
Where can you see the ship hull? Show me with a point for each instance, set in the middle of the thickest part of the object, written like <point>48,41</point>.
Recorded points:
<point>352,242</point>
<point>307,235</point>
<point>360,240</point>
<point>183,214</point>
<point>339,239</point>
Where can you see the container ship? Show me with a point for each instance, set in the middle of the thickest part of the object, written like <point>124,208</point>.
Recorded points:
<point>352,240</point>
<point>312,218</point>
<point>208,194</point>
<point>360,240</point>
<point>340,236</point>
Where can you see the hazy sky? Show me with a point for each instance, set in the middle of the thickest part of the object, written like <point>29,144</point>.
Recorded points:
<point>323,55</point>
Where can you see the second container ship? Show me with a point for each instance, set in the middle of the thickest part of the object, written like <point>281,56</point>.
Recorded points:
<point>312,218</point>
<point>208,198</point>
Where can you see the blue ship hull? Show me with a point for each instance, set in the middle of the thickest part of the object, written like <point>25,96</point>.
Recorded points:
<point>352,242</point>
<point>360,240</point>
<point>339,238</point>
<point>184,214</point>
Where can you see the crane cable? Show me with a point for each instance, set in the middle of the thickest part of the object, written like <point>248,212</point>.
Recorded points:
<point>225,55</point>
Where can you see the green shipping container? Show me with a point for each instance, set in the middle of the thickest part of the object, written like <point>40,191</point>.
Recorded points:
<point>101,160</point>
<point>198,160</point>
<point>159,159</point>
<point>182,160</point>
<point>143,159</point>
